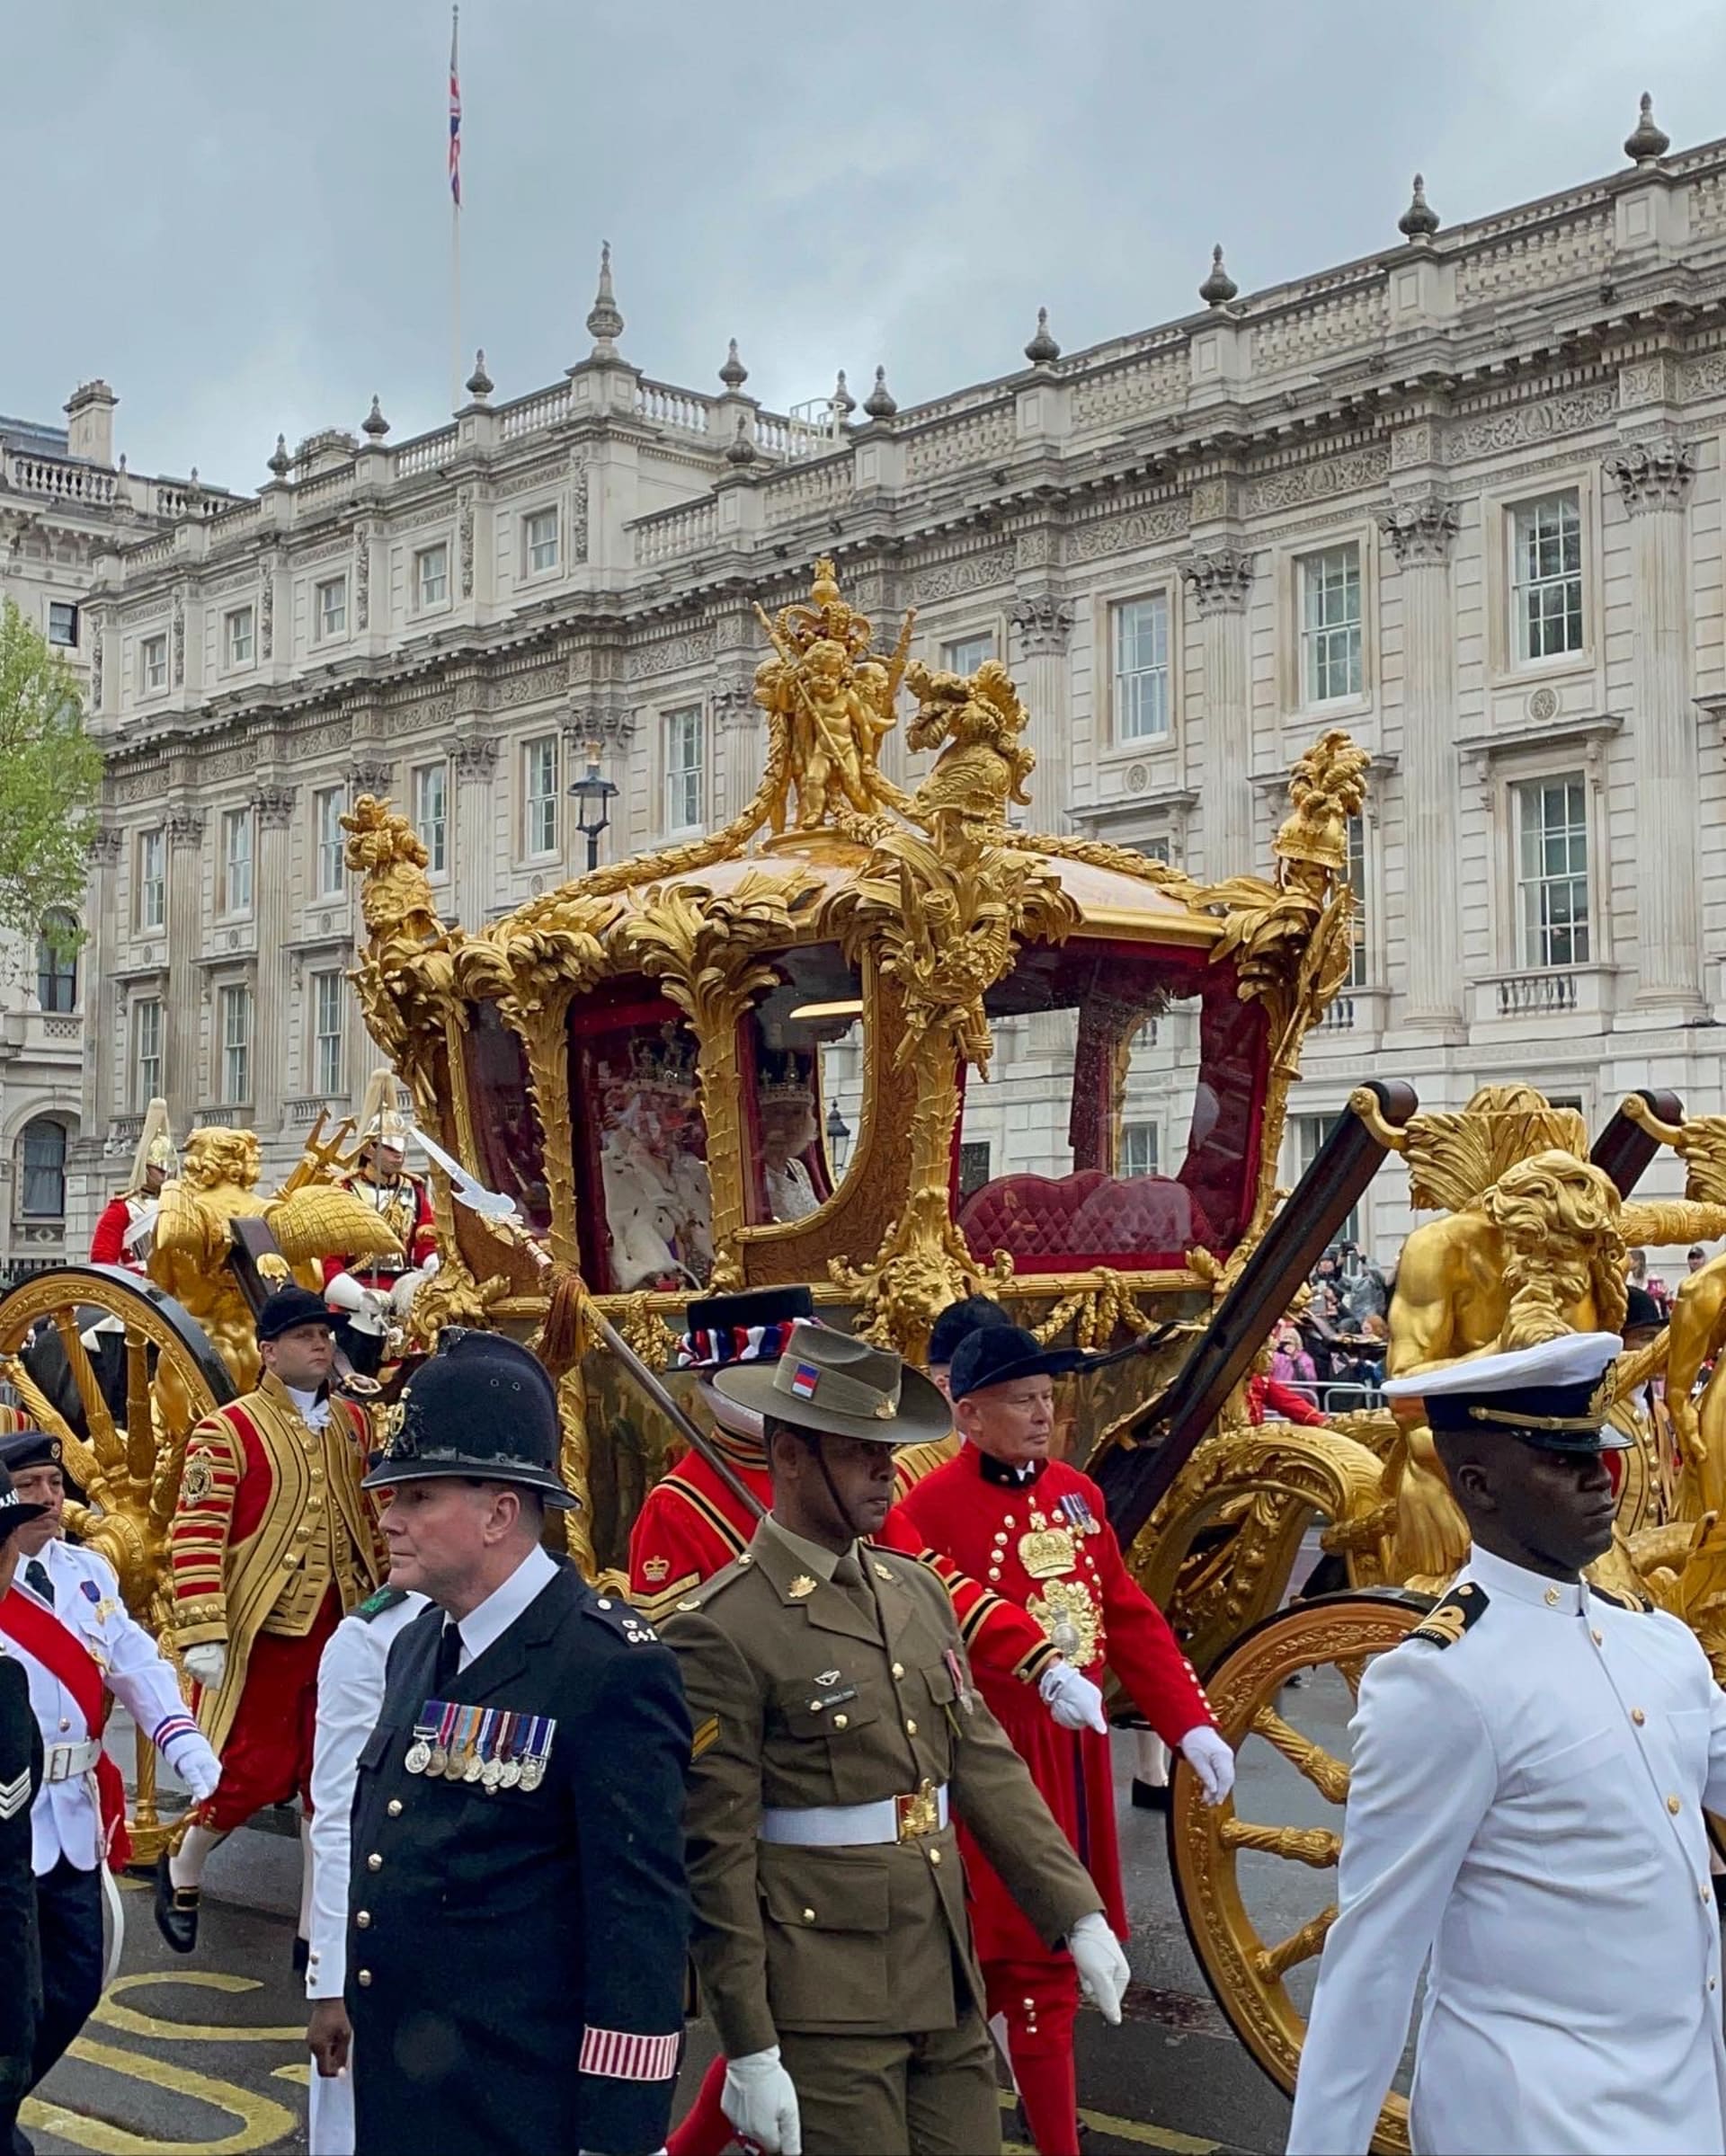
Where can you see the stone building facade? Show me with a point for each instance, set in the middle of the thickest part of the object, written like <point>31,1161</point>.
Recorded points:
<point>64,499</point>
<point>1462,498</point>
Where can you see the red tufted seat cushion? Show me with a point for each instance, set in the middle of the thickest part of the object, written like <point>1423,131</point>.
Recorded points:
<point>1043,1220</point>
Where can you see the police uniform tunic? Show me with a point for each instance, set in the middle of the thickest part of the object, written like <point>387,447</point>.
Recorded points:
<point>1530,1772</point>
<point>21,1980</point>
<point>516,1943</point>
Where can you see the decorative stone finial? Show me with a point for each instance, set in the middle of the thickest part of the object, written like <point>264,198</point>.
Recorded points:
<point>194,489</point>
<point>374,426</point>
<point>1042,348</point>
<point>1419,220</point>
<point>281,464</point>
<point>604,322</point>
<point>734,374</point>
<point>844,402</point>
<point>1646,142</point>
<point>480,384</point>
<point>880,402</point>
<point>1219,287</point>
<point>740,450</point>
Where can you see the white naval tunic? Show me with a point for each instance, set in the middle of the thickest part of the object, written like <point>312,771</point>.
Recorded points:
<point>1526,1803</point>
<point>64,1819</point>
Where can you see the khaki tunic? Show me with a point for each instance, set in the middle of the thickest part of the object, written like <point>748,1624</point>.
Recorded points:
<point>799,1698</point>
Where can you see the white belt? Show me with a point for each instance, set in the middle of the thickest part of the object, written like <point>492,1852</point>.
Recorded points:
<point>66,1763</point>
<point>854,1825</point>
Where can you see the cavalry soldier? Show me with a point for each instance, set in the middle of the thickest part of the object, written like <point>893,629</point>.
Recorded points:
<point>1532,1766</point>
<point>270,1543</point>
<point>21,1763</point>
<point>368,1294</point>
<point>1034,1528</point>
<point>123,1229</point>
<point>65,1623</point>
<point>517,1912</point>
<point>838,1738</point>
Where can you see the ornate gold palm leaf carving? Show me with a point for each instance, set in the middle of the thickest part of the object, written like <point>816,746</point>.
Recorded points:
<point>324,1219</point>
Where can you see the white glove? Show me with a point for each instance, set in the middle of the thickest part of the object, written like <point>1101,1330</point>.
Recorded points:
<point>193,1761</point>
<point>1103,1973</point>
<point>760,2102</point>
<point>1071,1699</point>
<point>206,1664</point>
<point>1211,1759</point>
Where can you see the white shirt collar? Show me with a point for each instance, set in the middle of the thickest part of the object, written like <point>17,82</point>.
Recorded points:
<point>314,1406</point>
<point>485,1626</point>
<point>1498,1575</point>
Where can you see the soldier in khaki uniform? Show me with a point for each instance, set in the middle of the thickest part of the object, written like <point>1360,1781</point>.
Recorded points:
<point>837,1737</point>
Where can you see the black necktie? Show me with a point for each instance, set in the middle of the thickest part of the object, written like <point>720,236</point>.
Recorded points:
<point>448,1665</point>
<point>36,1575</point>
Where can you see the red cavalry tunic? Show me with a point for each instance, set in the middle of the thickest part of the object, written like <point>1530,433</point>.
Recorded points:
<point>691,1526</point>
<point>108,1243</point>
<point>1039,1536</point>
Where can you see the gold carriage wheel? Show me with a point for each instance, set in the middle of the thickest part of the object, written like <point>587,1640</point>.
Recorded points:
<point>1244,1969</point>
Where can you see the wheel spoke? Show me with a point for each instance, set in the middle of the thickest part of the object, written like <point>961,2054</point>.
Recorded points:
<point>1311,1845</point>
<point>1272,1964</point>
<point>1327,1774</point>
<point>140,1424</point>
<point>1353,1671</point>
<point>104,1439</point>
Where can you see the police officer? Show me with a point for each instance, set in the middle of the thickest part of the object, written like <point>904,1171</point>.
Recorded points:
<point>517,1914</point>
<point>838,1738</point>
<point>1531,1767</point>
<point>21,1777</point>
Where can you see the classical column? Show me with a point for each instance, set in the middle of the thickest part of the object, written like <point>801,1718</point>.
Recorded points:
<point>185,975</point>
<point>1421,531</point>
<point>274,807</point>
<point>1219,577</point>
<point>1042,625</point>
<point>739,745</point>
<point>476,761</point>
<point>1654,477</point>
<point>97,1104</point>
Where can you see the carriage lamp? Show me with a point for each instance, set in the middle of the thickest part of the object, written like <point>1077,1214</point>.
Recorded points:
<point>839,1137</point>
<point>595,793</point>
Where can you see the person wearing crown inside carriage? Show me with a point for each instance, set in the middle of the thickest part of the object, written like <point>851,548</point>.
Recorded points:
<point>367,1296</point>
<point>1525,1817</point>
<point>786,1110</point>
<point>658,1199</point>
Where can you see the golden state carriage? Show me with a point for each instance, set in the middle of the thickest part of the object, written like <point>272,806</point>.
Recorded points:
<point>895,1045</point>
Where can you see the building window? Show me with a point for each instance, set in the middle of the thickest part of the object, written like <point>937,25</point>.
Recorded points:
<point>1552,871</point>
<point>1142,670</point>
<point>57,962</point>
<point>1140,1150</point>
<point>238,642</point>
<point>330,607</point>
<point>44,1170</point>
<point>974,1156</point>
<point>1330,624</point>
<point>1355,876</point>
<point>236,861</point>
<point>326,823</point>
<point>431,576</point>
<point>685,771</point>
<point>431,814</point>
<point>1547,577</point>
<point>146,1052</point>
<point>539,795</point>
<point>237,1046</point>
<point>329,1010</point>
<point>1306,1135</point>
<point>1157,849</point>
<point>62,625</point>
<point>965,654</point>
<point>151,879</point>
<point>538,541</point>
<point>152,663</point>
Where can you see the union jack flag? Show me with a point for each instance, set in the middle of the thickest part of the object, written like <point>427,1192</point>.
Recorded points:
<point>455,112</point>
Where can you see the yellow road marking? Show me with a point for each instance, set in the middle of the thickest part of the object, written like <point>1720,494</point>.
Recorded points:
<point>115,2016</point>
<point>1131,2129</point>
<point>262,2120</point>
<point>301,2072</point>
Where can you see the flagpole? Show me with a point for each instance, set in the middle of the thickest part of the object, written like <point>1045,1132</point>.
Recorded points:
<point>455,215</point>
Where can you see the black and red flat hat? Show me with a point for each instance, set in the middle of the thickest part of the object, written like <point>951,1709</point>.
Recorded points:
<point>750,1326</point>
<point>15,1512</point>
<point>999,1354</point>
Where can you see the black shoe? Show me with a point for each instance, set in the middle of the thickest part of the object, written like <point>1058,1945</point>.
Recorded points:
<point>1150,1797</point>
<point>176,1910</point>
<point>302,1956</point>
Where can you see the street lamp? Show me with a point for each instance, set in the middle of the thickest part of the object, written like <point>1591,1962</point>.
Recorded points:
<point>839,1137</point>
<point>595,793</point>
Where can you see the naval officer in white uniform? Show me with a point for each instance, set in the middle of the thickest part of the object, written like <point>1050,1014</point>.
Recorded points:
<point>1530,1771</point>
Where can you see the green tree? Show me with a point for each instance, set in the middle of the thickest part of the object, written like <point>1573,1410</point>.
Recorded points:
<point>50,773</point>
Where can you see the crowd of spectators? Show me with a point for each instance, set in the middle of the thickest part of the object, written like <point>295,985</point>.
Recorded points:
<point>1332,1350</point>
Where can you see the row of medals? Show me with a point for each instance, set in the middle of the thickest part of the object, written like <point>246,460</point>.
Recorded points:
<point>424,1757</point>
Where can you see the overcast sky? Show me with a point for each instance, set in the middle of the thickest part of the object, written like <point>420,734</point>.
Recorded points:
<point>237,210</point>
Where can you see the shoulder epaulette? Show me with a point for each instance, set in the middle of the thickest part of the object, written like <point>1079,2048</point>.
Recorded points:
<point>1445,1624</point>
<point>374,1605</point>
<point>698,1595</point>
<point>1641,1603</point>
<point>620,1616</point>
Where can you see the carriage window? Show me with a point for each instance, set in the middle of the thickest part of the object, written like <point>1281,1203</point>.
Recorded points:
<point>1121,1113</point>
<point>802,1060</point>
<point>507,1135</point>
